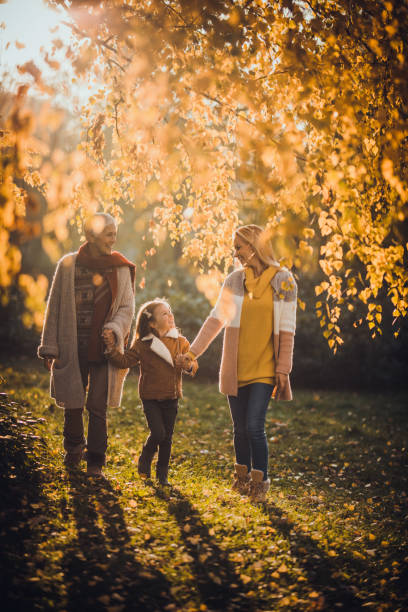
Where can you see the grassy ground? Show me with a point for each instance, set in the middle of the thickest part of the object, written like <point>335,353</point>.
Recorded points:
<point>333,534</point>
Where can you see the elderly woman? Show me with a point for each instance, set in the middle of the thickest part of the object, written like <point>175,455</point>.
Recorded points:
<point>257,307</point>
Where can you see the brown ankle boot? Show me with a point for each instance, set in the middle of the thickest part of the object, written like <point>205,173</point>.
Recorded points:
<point>241,479</point>
<point>258,487</point>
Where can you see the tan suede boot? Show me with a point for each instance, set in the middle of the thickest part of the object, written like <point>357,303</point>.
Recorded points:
<point>258,488</point>
<point>241,479</point>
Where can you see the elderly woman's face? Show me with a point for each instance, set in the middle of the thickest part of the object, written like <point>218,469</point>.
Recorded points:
<point>242,250</point>
<point>103,241</point>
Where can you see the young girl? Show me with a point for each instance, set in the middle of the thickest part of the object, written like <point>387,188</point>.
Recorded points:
<point>156,345</point>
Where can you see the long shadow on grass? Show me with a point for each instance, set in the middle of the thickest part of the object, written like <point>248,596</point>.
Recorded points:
<point>100,567</point>
<point>25,516</point>
<point>219,585</point>
<point>322,570</point>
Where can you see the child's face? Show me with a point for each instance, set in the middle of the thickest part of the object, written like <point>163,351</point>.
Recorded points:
<point>163,319</point>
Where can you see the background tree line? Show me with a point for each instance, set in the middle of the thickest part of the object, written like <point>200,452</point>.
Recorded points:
<point>206,114</point>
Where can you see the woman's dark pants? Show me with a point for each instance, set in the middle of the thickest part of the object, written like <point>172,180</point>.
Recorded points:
<point>248,412</point>
<point>96,375</point>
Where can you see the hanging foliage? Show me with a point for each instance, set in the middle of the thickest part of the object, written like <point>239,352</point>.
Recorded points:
<point>289,113</point>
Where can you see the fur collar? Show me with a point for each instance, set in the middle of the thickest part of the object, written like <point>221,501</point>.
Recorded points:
<point>158,347</point>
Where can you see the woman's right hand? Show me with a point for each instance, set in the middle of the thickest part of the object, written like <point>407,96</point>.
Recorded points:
<point>281,382</point>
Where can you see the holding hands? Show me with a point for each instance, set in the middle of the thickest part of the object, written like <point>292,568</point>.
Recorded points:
<point>184,361</point>
<point>109,339</point>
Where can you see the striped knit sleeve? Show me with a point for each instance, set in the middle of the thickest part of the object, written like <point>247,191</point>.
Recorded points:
<point>208,332</point>
<point>285,298</point>
<point>49,338</point>
<point>213,324</point>
<point>285,302</point>
<point>226,312</point>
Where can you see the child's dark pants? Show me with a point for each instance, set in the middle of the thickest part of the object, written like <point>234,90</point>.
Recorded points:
<point>161,417</point>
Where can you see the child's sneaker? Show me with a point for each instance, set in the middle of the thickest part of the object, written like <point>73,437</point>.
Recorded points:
<point>161,475</point>
<point>144,465</point>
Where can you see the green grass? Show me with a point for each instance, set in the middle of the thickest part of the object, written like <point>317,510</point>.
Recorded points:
<point>333,534</point>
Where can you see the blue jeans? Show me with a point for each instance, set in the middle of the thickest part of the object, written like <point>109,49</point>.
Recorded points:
<point>248,412</point>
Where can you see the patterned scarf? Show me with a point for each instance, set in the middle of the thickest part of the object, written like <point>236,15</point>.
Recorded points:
<point>106,288</point>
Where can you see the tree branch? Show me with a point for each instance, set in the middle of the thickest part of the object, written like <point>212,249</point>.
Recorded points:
<point>236,113</point>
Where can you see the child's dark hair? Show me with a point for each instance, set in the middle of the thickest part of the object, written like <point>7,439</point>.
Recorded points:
<point>145,315</point>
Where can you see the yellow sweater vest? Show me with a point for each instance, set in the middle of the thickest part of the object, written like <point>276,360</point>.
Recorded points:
<point>256,360</point>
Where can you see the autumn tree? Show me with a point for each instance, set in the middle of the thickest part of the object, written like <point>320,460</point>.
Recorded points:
<point>293,113</point>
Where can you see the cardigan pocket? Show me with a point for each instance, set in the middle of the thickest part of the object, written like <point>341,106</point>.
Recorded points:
<point>58,364</point>
<point>60,370</point>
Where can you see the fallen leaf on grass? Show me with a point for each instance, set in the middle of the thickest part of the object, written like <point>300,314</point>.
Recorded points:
<point>245,579</point>
<point>104,599</point>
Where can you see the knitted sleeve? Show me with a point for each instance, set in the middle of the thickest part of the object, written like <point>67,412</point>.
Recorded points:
<point>185,348</point>
<point>209,330</point>
<point>49,337</point>
<point>225,312</point>
<point>285,358</point>
<point>121,320</point>
<point>285,298</point>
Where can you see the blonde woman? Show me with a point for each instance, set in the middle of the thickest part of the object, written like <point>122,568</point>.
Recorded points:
<point>257,308</point>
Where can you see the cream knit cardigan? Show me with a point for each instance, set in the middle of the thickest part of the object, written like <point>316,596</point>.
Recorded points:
<point>227,313</point>
<point>59,336</point>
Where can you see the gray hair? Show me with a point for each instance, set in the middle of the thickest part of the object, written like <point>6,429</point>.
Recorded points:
<point>96,223</point>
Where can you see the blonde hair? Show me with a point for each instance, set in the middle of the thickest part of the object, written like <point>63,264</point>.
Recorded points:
<point>144,315</point>
<point>260,241</point>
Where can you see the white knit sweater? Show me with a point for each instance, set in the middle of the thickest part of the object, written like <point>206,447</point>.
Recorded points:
<point>59,337</point>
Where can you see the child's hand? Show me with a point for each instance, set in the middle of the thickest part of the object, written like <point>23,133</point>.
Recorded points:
<point>109,339</point>
<point>182,361</point>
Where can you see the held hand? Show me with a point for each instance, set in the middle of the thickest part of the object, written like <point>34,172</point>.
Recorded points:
<point>179,360</point>
<point>109,338</point>
<point>182,361</point>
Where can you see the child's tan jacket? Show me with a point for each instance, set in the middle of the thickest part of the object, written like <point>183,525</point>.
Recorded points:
<point>160,378</point>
